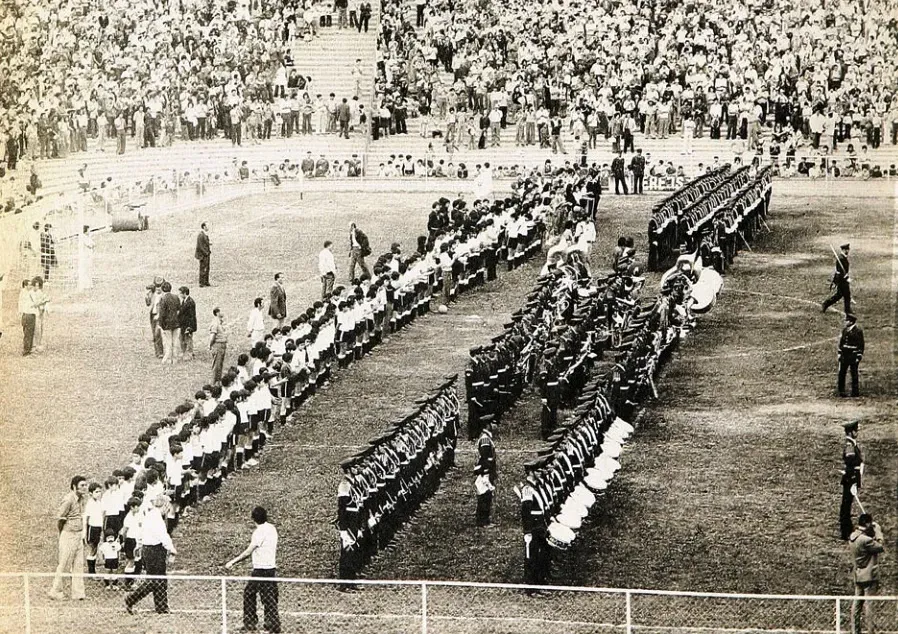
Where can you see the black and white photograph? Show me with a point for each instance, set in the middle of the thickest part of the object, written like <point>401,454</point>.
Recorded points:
<point>448,316</point>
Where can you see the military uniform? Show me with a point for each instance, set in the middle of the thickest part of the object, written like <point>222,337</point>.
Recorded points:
<point>841,280</point>
<point>853,462</point>
<point>487,472</point>
<point>851,351</point>
<point>386,482</point>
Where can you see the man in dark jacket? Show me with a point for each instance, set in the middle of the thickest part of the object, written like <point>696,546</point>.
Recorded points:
<point>637,167</point>
<point>169,323</point>
<point>359,249</point>
<point>203,254</point>
<point>841,280</point>
<point>187,321</point>
<point>617,170</point>
<point>277,308</point>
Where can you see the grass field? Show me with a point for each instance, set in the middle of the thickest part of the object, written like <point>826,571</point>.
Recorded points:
<point>730,484</point>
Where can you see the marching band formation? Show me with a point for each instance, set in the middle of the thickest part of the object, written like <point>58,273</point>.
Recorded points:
<point>573,470</point>
<point>716,213</point>
<point>385,483</point>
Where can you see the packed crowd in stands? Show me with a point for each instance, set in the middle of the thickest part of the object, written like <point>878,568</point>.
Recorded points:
<point>818,69</point>
<point>813,83</point>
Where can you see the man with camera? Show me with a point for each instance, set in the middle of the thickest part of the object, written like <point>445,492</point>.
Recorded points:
<point>866,545</point>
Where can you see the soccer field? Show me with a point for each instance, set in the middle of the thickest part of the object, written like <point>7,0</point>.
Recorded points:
<point>729,484</point>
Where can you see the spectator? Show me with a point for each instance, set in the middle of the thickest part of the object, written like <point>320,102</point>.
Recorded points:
<point>263,550</point>
<point>155,546</point>
<point>327,268</point>
<point>866,545</point>
<point>41,303</point>
<point>70,525</point>
<point>218,344</point>
<point>169,308</point>
<point>187,322</point>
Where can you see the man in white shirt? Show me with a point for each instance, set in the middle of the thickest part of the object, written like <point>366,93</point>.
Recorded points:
<point>263,548</point>
<point>155,546</point>
<point>327,268</point>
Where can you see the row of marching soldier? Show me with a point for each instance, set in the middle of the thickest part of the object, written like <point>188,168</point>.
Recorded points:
<point>385,483</point>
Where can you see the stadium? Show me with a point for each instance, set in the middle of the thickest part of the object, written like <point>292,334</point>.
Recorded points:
<point>517,317</point>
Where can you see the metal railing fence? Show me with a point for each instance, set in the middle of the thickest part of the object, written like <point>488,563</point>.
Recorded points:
<point>212,604</point>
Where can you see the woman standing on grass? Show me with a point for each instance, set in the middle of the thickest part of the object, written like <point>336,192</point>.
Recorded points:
<point>41,302</point>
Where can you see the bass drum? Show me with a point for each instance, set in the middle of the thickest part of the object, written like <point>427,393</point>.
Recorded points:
<point>704,292</point>
<point>560,536</point>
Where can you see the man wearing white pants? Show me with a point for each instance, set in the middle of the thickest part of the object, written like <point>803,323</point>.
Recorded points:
<point>69,522</point>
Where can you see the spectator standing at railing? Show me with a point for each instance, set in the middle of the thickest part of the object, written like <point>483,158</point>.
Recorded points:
<point>263,550</point>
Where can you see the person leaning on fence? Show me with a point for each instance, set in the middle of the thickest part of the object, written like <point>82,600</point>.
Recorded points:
<point>263,550</point>
<point>70,524</point>
<point>866,545</point>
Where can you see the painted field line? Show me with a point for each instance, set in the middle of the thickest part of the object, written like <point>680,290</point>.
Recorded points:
<point>758,353</point>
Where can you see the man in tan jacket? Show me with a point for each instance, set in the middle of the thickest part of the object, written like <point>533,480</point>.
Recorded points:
<point>866,545</point>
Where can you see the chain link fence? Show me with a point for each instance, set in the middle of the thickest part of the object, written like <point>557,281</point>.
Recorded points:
<point>215,605</point>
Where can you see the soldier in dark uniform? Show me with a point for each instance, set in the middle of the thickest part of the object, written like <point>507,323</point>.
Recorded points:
<point>533,520</point>
<point>617,170</point>
<point>841,281</point>
<point>637,167</point>
<point>851,477</point>
<point>851,351</point>
<point>486,466</point>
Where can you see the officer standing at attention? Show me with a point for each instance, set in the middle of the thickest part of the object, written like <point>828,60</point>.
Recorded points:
<point>851,351</point>
<point>617,171</point>
<point>487,469</point>
<point>841,280</point>
<point>851,477</point>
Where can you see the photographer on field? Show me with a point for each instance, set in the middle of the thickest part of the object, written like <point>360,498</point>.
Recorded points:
<point>866,545</point>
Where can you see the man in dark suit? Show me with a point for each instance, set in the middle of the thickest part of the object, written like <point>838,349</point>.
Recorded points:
<point>277,308</point>
<point>637,167</point>
<point>617,170</point>
<point>359,249</point>
<point>12,150</point>
<point>203,254</point>
<point>841,280</point>
<point>187,320</point>
<point>343,116</point>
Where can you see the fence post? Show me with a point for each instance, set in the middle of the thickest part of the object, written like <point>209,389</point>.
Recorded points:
<point>224,605</point>
<point>423,608</point>
<point>27,597</point>
<point>838,616</point>
<point>629,629</point>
